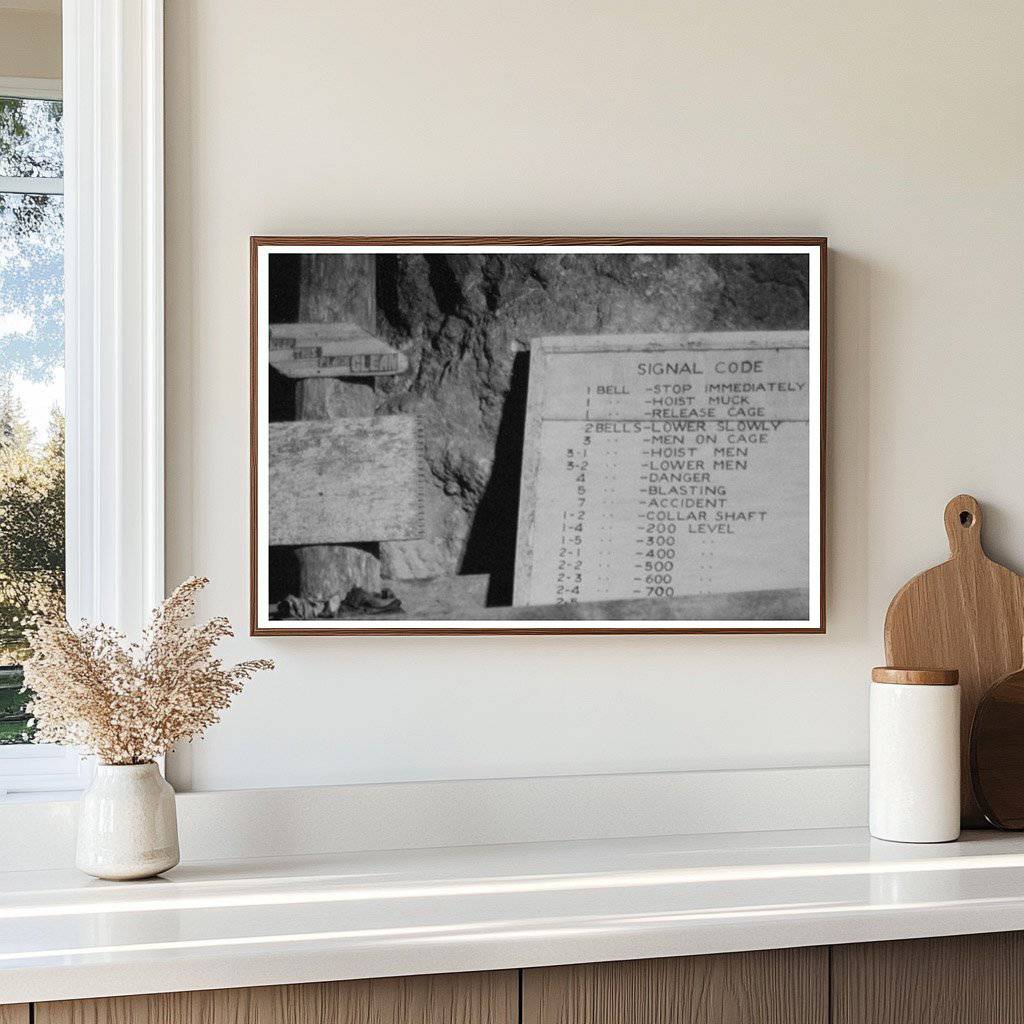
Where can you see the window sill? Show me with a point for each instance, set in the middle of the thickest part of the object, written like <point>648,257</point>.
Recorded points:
<point>41,772</point>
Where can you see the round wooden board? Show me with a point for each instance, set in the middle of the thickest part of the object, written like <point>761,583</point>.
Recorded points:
<point>997,753</point>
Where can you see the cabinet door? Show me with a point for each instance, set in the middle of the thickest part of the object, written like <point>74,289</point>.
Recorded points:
<point>963,979</point>
<point>480,998</point>
<point>779,986</point>
<point>14,1013</point>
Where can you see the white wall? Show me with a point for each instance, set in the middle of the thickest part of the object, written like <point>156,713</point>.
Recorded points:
<point>895,129</point>
<point>30,39</point>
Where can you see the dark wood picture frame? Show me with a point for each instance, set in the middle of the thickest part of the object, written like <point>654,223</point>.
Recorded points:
<point>258,241</point>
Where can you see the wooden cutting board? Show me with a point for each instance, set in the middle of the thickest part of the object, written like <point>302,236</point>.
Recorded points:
<point>967,614</point>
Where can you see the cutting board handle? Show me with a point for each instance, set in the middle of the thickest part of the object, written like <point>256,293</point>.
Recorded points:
<point>963,526</point>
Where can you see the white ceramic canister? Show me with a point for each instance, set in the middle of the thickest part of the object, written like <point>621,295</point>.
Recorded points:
<point>127,825</point>
<point>915,755</point>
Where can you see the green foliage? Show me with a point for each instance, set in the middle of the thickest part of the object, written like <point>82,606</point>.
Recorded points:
<point>15,724</point>
<point>31,524</point>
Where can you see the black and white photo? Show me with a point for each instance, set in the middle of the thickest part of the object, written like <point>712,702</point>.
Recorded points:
<point>554,435</point>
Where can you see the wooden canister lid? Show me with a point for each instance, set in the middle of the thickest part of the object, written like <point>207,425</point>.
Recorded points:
<point>916,676</point>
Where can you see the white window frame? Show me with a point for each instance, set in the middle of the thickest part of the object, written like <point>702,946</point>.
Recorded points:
<point>114,328</point>
<point>31,88</point>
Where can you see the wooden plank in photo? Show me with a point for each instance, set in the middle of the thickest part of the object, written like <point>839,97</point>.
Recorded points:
<point>342,349</point>
<point>345,481</point>
<point>660,466</point>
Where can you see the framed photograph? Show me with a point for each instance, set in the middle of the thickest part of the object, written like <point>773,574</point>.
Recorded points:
<point>537,435</point>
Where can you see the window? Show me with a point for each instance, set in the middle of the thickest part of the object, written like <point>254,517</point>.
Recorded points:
<point>112,307</point>
<point>31,380</point>
<point>31,407</point>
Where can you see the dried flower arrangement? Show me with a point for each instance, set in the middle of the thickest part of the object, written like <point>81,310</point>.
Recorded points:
<point>129,703</point>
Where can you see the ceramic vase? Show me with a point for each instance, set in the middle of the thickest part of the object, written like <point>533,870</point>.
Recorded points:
<point>127,826</point>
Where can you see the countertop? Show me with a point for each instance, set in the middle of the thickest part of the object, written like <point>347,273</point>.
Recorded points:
<point>225,924</point>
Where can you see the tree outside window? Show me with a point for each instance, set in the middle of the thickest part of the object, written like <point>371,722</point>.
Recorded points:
<point>31,386</point>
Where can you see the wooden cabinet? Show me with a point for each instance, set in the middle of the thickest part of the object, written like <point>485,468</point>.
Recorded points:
<point>971,979</point>
<point>963,979</point>
<point>779,986</point>
<point>966,979</point>
<point>491,998</point>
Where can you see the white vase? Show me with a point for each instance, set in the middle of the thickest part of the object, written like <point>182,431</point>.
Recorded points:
<point>127,825</point>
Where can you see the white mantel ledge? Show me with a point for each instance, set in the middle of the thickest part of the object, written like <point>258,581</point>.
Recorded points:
<point>270,921</point>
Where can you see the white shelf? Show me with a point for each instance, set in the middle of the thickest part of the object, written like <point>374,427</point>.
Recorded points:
<point>351,915</point>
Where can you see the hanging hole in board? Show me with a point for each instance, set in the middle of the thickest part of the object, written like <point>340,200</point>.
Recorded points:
<point>966,518</point>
